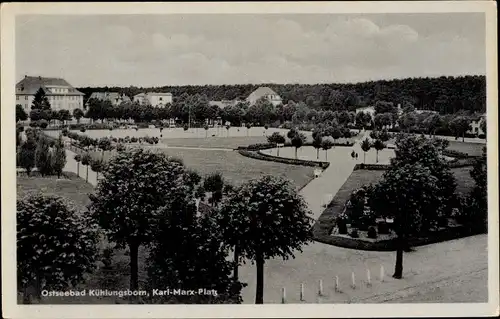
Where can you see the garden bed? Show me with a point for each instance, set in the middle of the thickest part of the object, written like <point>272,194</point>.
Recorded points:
<point>291,161</point>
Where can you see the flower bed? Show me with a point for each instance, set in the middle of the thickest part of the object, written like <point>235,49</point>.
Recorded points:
<point>292,161</point>
<point>372,167</point>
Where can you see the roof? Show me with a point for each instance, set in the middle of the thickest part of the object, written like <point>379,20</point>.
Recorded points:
<point>30,85</point>
<point>260,92</point>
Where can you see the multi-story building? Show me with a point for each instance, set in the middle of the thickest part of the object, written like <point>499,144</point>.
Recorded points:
<point>154,98</point>
<point>476,123</point>
<point>60,94</point>
<point>266,92</point>
<point>114,97</point>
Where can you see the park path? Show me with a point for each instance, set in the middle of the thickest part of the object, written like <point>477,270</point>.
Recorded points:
<point>72,166</point>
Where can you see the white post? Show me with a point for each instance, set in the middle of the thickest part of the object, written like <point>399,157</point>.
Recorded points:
<point>382,273</point>
<point>320,288</point>
<point>368,277</point>
<point>353,277</point>
<point>301,292</point>
<point>337,286</point>
<point>283,295</point>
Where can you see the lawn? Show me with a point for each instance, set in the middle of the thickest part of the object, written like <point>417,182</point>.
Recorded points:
<point>76,190</point>
<point>235,168</point>
<point>473,149</point>
<point>215,142</point>
<point>358,178</point>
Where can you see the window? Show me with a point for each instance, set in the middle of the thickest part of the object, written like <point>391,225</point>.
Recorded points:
<point>17,97</point>
<point>26,97</point>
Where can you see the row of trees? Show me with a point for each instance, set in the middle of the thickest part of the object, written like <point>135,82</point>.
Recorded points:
<point>188,247</point>
<point>49,157</point>
<point>446,95</point>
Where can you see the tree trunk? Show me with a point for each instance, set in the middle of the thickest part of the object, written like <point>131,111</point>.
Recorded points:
<point>236,262</point>
<point>278,150</point>
<point>134,268</point>
<point>87,176</point>
<point>398,269</point>
<point>326,155</point>
<point>364,157</point>
<point>317,153</point>
<point>296,152</point>
<point>259,293</point>
<point>78,169</point>
<point>96,177</point>
<point>376,161</point>
<point>463,137</point>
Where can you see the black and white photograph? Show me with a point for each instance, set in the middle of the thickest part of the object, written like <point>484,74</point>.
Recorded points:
<point>246,154</point>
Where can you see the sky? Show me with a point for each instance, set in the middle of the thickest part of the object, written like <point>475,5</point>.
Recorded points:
<point>197,49</point>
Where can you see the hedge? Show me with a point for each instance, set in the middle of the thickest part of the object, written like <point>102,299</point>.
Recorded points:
<point>372,167</point>
<point>456,154</point>
<point>391,244</point>
<point>292,161</point>
<point>265,146</point>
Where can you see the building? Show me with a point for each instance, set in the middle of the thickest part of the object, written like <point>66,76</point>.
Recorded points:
<point>367,109</point>
<point>115,98</point>
<point>60,94</point>
<point>266,92</point>
<point>476,123</point>
<point>156,99</point>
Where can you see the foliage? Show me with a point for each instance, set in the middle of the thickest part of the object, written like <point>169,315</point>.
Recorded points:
<point>378,145</point>
<point>372,232</point>
<point>265,218</point>
<point>59,157</point>
<point>410,194</point>
<point>40,101</point>
<point>78,114</point>
<point>56,246</point>
<point>20,113</point>
<point>128,220</point>
<point>276,138</point>
<point>26,154</point>
<point>297,141</point>
<point>43,157</point>
<point>460,125</point>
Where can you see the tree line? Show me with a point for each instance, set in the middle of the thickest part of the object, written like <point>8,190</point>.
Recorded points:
<point>446,94</point>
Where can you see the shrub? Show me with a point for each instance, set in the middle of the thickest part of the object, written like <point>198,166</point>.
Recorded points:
<point>372,233</point>
<point>383,228</point>
<point>133,139</point>
<point>82,130</point>
<point>482,136</point>
<point>43,124</point>
<point>354,233</point>
<point>267,157</point>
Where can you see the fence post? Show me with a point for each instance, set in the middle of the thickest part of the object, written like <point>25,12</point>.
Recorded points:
<point>353,278</point>
<point>301,292</point>
<point>382,273</point>
<point>320,287</point>
<point>283,295</point>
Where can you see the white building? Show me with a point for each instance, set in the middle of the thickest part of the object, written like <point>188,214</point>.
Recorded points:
<point>115,98</point>
<point>154,98</point>
<point>60,94</point>
<point>266,92</point>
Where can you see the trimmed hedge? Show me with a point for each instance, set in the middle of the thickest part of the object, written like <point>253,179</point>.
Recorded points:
<point>292,161</point>
<point>391,245</point>
<point>463,162</point>
<point>371,167</point>
<point>456,154</point>
<point>265,146</point>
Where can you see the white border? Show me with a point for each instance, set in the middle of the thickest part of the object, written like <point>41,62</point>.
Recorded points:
<point>12,310</point>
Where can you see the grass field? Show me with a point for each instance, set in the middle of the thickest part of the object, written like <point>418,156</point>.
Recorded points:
<point>235,168</point>
<point>215,142</point>
<point>473,149</point>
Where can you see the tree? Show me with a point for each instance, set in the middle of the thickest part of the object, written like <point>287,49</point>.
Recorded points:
<point>227,129</point>
<point>266,127</point>
<point>276,138</point>
<point>63,116</point>
<point>432,123</point>
<point>214,183</point>
<point>262,228</point>
<point>297,141</point>
<point>78,159</point>
<point>105,145</point>
<point>56,246</point>
<point>410,195</point>
<point>40,101</point>
<point>78,114</point>
<point>97,165</point>
<point>459,126</point>
<point>26,155</point>
<point>86,159</point>
<point>407,121</point>
<point>326,144</point>
<point>187,252</point>
<point>129,220</point>
<point>365,146</point>
<point>335,133</point>
<point>59,157</point>
<point>378,145</point>
<point>317,143</point>
<point>248,126</point>
<point>476,218</point>
<point>206,130</point>
<point>43,157</point>
<point>20,113</point>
